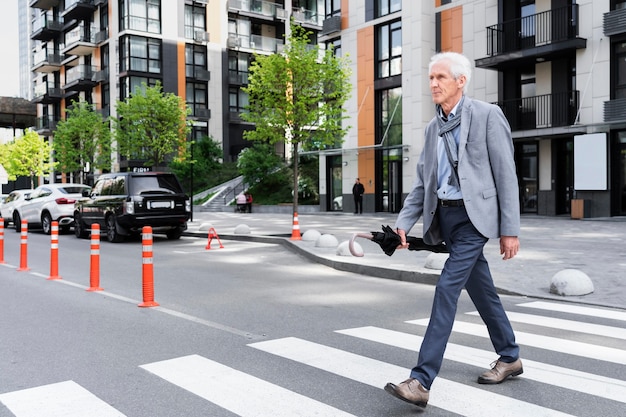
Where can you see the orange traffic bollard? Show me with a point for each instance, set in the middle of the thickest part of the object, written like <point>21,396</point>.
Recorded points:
<point>147,268</point>
<point>94,267</point>
<point>295,233</point>
<point>54,251</point>
<point>1,240</point>
<point>24,247</point>
<point>213,234</point>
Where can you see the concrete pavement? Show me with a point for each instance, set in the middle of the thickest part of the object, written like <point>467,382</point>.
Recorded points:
<point>596,247</point>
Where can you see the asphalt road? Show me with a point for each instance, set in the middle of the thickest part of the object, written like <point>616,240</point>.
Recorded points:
<point>252,329</point>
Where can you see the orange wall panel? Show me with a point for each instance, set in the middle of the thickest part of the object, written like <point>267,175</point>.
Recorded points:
<point>366,102</point>
<point>452,29</point>
<point>182,90</point>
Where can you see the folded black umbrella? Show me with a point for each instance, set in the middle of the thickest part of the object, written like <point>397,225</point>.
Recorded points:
<point>390,240</point>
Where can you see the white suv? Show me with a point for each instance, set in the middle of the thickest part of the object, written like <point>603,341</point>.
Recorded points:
<point>48,203</point>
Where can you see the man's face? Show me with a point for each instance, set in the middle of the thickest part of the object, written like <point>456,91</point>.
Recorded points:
<point>445,90</point>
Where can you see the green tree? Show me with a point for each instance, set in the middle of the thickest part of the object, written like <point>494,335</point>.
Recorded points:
<point>259,162</point>
<point>82,141</point>
<point>298,98</point>
<point>29,156</point>
<point>152,125</point>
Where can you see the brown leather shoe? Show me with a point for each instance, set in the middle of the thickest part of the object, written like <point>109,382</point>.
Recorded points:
<point>501,371</point>
<point>410,391</point>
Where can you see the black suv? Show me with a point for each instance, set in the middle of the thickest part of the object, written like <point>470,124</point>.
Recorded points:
<point>122,203</point>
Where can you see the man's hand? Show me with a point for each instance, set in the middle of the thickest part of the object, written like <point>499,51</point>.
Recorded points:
<point>509,246</point>
<point>402,234</point>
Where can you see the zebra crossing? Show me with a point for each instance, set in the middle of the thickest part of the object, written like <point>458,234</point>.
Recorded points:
<point>222,385</point>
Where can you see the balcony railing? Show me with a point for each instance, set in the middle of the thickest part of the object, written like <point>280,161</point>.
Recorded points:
<point>254,42</point>
<point>532,31</point>
<point>43,93</point>
<point>45,123</point>
<point>79,73</point>
<point>46,28</point>
<point>310,17</point>
<point>45,62</point>
<point>259,7</point>
<point>615,110</point>
<point>237,77</point>
<point>548,110</point>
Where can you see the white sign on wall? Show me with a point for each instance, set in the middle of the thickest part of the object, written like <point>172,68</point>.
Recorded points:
<point>590,162</point>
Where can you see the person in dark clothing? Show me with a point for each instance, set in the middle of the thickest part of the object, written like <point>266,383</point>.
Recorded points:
<point>357,191</point>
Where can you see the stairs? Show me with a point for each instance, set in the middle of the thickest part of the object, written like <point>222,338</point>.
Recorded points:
<point>223,195</point>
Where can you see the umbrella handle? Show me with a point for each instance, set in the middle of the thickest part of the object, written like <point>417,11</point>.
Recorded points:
<point>353,250</point>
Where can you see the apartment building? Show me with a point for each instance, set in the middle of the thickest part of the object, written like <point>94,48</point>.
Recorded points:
<point>556,67</point>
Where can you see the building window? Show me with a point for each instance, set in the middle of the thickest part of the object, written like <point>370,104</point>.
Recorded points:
<point>195,59</point>
<point>333,8</point>
<point>237,100</point>
<point>195,20</point>
<point>336,45</point>
<point>389,118</point>
<point>385,7</point>
<point>389,50</point>
<point>140,54</point>
<point>197,97</point>
<point>141,15</point>
<point>128,85</point>
<point>238,64</point>
<point>620,70</point>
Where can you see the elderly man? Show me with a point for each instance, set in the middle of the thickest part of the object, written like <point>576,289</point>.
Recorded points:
<point>466,189</point>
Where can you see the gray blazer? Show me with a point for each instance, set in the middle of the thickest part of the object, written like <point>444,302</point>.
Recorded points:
<point>486,175</point>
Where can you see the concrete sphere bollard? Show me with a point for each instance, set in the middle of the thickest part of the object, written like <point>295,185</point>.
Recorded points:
<point>311,235</point>
<point>326,241</point>
<point>571,282</point>
<point>242,229</point>
<point>436,261</point>
<point>204,227</point>
<point>344,249</point>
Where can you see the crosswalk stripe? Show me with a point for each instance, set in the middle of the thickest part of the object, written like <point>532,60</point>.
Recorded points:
<point>63,399</point>
<point>569,325</point>
<point>569,347</point>
<point>600,386</point>
<point>237,392</point>
<point>575,309</point>
<point>448,395</point>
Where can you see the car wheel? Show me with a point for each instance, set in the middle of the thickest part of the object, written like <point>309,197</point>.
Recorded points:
<point>46,223</point>
<point>111,229</point>
<point>17,222</point>
<point>174,234</point>
<point>80,229</point>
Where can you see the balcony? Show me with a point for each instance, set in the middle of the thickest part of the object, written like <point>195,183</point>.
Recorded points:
<point>46,28</point>
<point>78,9</point>
<point>614,22</point>
<point>237,77</point>
<point>308,18</point>
<point>202,74</point>
<point>331,25</point>
<point>46,63</point>
<point>46,125</point>
<point>44,4</point>
<point>260,9</point>
<point>100,76</point>
<point>548,110</point>
<point>615,110</point>
<point>79,78</point>
<point>44,94</point>
<point>254,43</point>
<point>78,43</point>
<point>543,36</point>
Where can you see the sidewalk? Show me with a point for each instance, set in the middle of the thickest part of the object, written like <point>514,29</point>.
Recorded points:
<point>596,247</point>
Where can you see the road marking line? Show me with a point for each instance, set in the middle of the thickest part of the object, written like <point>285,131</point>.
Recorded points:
<point>237,392</point>
<point>448,395</point>
<point>569,325</point>
<point>600,386</point>
<point>570,347</point>
<point>575,309</point>
<point>63,399</point>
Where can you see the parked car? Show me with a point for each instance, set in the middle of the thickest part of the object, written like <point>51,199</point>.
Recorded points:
<point>14,199</point>
<point>123,203</point>
<point>48,203</point>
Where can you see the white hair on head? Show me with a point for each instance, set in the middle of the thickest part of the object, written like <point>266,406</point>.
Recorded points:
<point>459,65</point>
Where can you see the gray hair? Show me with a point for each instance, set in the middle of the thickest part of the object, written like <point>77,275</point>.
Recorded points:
<point>459,65</point>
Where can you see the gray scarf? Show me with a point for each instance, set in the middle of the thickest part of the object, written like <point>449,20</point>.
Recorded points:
<point>446,126</point>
